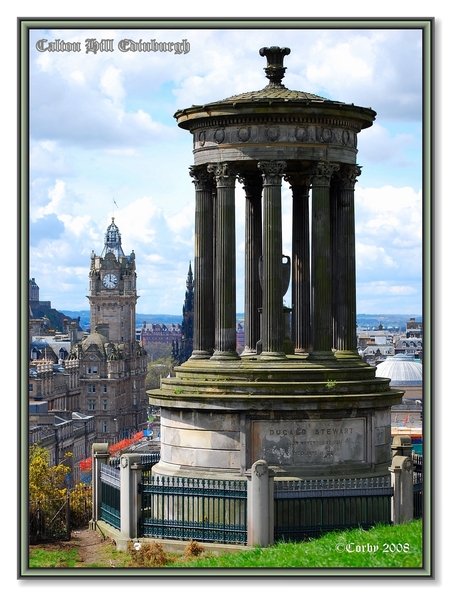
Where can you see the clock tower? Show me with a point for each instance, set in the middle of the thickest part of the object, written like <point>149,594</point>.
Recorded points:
<point>112,291</point>
<point>113,363</point>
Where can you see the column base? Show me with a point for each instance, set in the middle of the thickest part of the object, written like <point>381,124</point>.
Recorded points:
<point>272,356</point>
<point>322,356</point>
<point>225,356</point>
<point>349,354</point>
<point>201,354</point>
<point>248,352</point>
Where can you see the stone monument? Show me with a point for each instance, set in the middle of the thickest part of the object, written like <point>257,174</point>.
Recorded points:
<point>313,409</point>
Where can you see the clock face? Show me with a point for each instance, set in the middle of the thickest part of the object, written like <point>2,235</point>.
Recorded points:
<point>110,280</point>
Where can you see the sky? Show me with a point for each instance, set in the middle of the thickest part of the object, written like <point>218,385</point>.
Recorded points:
<point>104,143</point>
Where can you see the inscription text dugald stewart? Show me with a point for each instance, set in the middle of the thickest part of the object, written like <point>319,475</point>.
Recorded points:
<point>293,443</point>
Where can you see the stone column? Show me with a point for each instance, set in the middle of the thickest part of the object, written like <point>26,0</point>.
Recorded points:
<point>300,332</point>
<point>260,516</point>
<point>130,478</point>
<point>321,261</point>
<point>272,255</point>
<point>402,479</point>
<point>225,262</point>
<point>253,251</point>
<point>203,315</point>
<point>344,268</point>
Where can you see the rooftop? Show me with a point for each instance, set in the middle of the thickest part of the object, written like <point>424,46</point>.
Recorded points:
<point>401,371</point>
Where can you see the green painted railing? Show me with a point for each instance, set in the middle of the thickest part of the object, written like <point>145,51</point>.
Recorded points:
<point>110,495</point>
<point>194,509</point>
<point>306,509</point>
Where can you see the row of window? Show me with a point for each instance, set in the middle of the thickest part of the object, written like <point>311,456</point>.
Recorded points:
<point>92,404</point>
<point>92,388</point>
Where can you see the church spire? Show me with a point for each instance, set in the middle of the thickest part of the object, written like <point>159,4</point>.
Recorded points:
<point>189,282</point>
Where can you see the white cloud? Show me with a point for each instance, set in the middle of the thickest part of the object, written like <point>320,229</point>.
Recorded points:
<point>112,85</point>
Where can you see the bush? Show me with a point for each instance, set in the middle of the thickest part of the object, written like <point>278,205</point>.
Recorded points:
<point>147,554</point>
<point>193,549</point>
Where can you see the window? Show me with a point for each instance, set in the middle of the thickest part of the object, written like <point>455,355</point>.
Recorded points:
<point>104,404</point>
<point>104,388</point>
<point>91,388</point>
<point>104,427</point>
<point>91,404</point>
<point>95,369</point>
<point>31,387</point>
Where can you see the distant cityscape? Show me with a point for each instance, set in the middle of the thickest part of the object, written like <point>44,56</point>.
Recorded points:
<point>390,322</point>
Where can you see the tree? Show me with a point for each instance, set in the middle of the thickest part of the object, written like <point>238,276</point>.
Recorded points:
<point>46,482</point>
<point>52,507</point>
<point>159,352</point>
<point>155,372</point>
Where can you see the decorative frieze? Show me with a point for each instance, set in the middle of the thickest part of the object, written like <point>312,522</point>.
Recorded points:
<point>279,130</point>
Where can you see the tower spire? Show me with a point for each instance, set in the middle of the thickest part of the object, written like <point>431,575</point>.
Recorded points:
<point>189,282</point>
<point>112,241</point>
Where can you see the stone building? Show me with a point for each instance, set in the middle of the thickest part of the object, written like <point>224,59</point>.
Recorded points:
<point>159,334</point>
<point>55,422</point>
<point>88,388</point>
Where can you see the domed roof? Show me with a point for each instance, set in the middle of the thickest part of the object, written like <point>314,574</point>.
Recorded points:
<point>95,339</point>
<point>273,99</point>
<point>401,371</point>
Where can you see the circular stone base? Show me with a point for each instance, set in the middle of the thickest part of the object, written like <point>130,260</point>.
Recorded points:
<point>305,419</point>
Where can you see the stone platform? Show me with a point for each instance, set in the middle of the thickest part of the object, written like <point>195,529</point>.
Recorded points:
<point>305,419</point>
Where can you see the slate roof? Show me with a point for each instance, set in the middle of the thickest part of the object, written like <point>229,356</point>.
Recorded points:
<point>272,92</point>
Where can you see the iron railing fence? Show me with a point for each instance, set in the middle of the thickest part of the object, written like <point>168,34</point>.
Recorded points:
<point>194,509</point>
<point>216,510</point>
<point>110,495</point>
<point>54,519</point>
<point>309,508</point>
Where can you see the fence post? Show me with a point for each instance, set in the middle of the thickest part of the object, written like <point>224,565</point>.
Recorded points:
<point>260,519</point>
<point>402,480</point>
<point>100,456</point>
<point>130,477</point>
<point>67,515</point>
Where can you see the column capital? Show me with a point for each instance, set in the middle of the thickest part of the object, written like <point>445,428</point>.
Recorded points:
<point>224,173</point>
<point>272,171</point>
<point>202,180</point>
<point>298,180</point>
<point>348,175</point>
<point>251,181</point>
<point>322,172</point>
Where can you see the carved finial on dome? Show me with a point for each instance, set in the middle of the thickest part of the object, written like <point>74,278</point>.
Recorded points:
<point>275,70</point>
